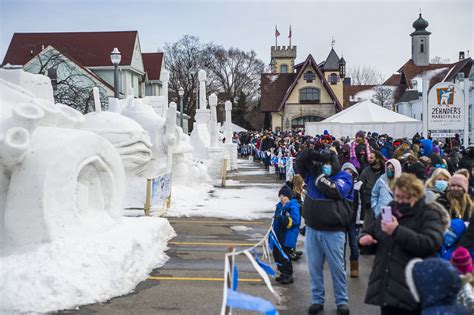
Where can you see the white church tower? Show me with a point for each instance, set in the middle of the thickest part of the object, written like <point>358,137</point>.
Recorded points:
<point>420,43</point>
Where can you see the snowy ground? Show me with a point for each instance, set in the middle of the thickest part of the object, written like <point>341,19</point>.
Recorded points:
<point>243,203</point>
<point>66,273</point>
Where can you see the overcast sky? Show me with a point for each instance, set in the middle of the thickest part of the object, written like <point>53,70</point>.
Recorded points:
<point>367,32</point>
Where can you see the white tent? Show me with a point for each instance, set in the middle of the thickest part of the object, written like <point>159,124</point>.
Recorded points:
<point>235,128</point>
<point>366,116</point>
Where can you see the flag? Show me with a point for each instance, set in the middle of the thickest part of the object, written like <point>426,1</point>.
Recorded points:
<point>289,34</point>
<point>276,32</point>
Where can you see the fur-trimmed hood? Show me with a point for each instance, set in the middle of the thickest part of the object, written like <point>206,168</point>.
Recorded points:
<point>431,203</point>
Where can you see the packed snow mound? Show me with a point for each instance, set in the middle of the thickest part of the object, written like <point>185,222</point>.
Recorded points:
<point>66,273</point>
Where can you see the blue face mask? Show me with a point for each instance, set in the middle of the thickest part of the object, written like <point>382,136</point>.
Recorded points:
<point>327,170</point>
<point>390,173</point>
<point>441,185</point>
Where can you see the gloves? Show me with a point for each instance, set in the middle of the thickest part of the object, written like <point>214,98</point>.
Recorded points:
<point>284,220</point>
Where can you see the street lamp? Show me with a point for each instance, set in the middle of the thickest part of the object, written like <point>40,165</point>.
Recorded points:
<point>181,93</point>
<point>115,57</point>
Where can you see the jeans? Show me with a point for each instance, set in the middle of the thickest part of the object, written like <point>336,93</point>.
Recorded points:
<point>353,234</point>
<point>321,245</point>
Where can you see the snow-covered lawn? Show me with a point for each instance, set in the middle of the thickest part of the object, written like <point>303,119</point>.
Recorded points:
<point>70,272</point>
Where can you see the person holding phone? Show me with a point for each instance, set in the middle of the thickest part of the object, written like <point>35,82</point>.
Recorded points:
<point>408,228</point>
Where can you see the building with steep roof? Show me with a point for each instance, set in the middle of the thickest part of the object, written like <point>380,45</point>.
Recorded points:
<point>292,95</point>
<point>88,53</point>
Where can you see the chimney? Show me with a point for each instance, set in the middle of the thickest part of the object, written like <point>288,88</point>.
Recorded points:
<point>461,55</point>
<point>42,47</point>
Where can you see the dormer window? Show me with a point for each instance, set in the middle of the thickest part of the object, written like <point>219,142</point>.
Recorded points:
<point>333,78</point>
<point>309,76</point>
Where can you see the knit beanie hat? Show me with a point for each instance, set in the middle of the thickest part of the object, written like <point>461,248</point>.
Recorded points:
<point>285,191</point>
<point>360,134</point>
<point>461,259</point>
<point>460,180</point>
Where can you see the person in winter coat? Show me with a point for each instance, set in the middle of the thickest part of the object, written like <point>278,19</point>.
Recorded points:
<point>360,143</point>
<point>327,215</point>
<point>368,177</point>
<point>416,230</point>
<point>382,193</point>
<point>438,184</point>
<point>286,225</point>
<point>467,162</point>
<point>353,231</point>
<point>344,154</point>
<point>459,201</point>
<point>387,150</point>
<point>451,238</point>
<point>461,259</point>
<point>434,283</point>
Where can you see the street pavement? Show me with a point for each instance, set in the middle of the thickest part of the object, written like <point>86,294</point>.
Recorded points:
<point>191,282</point>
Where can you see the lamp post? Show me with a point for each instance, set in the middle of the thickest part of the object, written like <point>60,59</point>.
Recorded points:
<point>181,93</point>
<point>115,57</point>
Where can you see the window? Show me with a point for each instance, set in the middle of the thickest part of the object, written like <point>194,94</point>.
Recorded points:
<point>300,121</point>
<point>309,76</point>
<point>309,96</point>
<point>283,69</point>
<point>333,78</point>
<point>422,48</point>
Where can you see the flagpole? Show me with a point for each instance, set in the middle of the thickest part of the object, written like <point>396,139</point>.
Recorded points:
<point>290,36</point>
<point>276,37</point>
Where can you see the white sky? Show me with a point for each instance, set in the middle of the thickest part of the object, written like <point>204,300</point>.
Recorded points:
<point>367,32</point>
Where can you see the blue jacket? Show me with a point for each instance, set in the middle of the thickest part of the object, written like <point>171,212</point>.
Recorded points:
<point>381,195</point>
<point>288,235</point>
<point>343,182</point>
<point>325,208</point>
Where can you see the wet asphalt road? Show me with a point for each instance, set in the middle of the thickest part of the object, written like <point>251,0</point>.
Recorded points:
<point>197,264</point>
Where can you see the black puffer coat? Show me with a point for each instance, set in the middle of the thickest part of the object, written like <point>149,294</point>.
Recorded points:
<point>419,234</point>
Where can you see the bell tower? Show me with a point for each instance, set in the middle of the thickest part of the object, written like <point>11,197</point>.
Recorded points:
<point>283,59</point>
<point>420,43</point>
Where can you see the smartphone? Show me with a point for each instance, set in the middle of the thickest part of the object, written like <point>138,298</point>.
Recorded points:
<point>387,214</point>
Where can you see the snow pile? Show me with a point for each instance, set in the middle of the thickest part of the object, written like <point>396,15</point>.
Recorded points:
<point>428,75</point>
<point>69,272</point>
<point>240,228</point>
<point>246,203</point>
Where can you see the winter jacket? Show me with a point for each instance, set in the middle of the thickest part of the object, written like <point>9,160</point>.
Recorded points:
<point>368,177</point>
<point>467,239</point>
<point>466,297</point>
<point>381,195</point>
<point>326,207</point>
<point>435,283</point>
<point>287,234</point>
<point>419,234</point>
<point>451,238</point>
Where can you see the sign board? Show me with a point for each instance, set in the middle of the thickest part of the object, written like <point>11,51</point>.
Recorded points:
<point>161,190</point>
<point>446,107</point>
<point>443,134</point>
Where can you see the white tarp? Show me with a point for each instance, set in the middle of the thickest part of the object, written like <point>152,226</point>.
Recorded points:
<point>366,116</point>
<point>235,128</point>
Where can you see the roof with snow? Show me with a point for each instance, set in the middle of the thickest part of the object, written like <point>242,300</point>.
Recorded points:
<point>435,73</point>
<point>367,112</point>
<point>88,48</point>
<point>350,91</point>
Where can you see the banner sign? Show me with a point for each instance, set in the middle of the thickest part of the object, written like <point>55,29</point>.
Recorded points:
<point>161,190</point>
<point>446,107</point>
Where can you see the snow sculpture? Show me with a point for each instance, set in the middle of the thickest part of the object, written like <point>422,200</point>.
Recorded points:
<point>54,182</point>
<point>230,147</point>
<point>200,137</point>
<point>215,151</point>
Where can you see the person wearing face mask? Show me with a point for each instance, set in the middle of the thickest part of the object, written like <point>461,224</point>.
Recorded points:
<point>382,193</point>
<point>459,201</point>
<point>368,177</point>
<point>438,184</point>
<point>327,215</point>
<point>416,231</point>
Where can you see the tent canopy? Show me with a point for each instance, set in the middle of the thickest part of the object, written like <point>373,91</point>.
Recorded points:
<point>235,128</point>
<point>366,116</point>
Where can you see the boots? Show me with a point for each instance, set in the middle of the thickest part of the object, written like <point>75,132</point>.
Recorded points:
<point>354,269</point>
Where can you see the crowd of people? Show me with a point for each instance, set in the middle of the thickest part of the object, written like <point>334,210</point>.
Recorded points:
<point>406,201</point>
